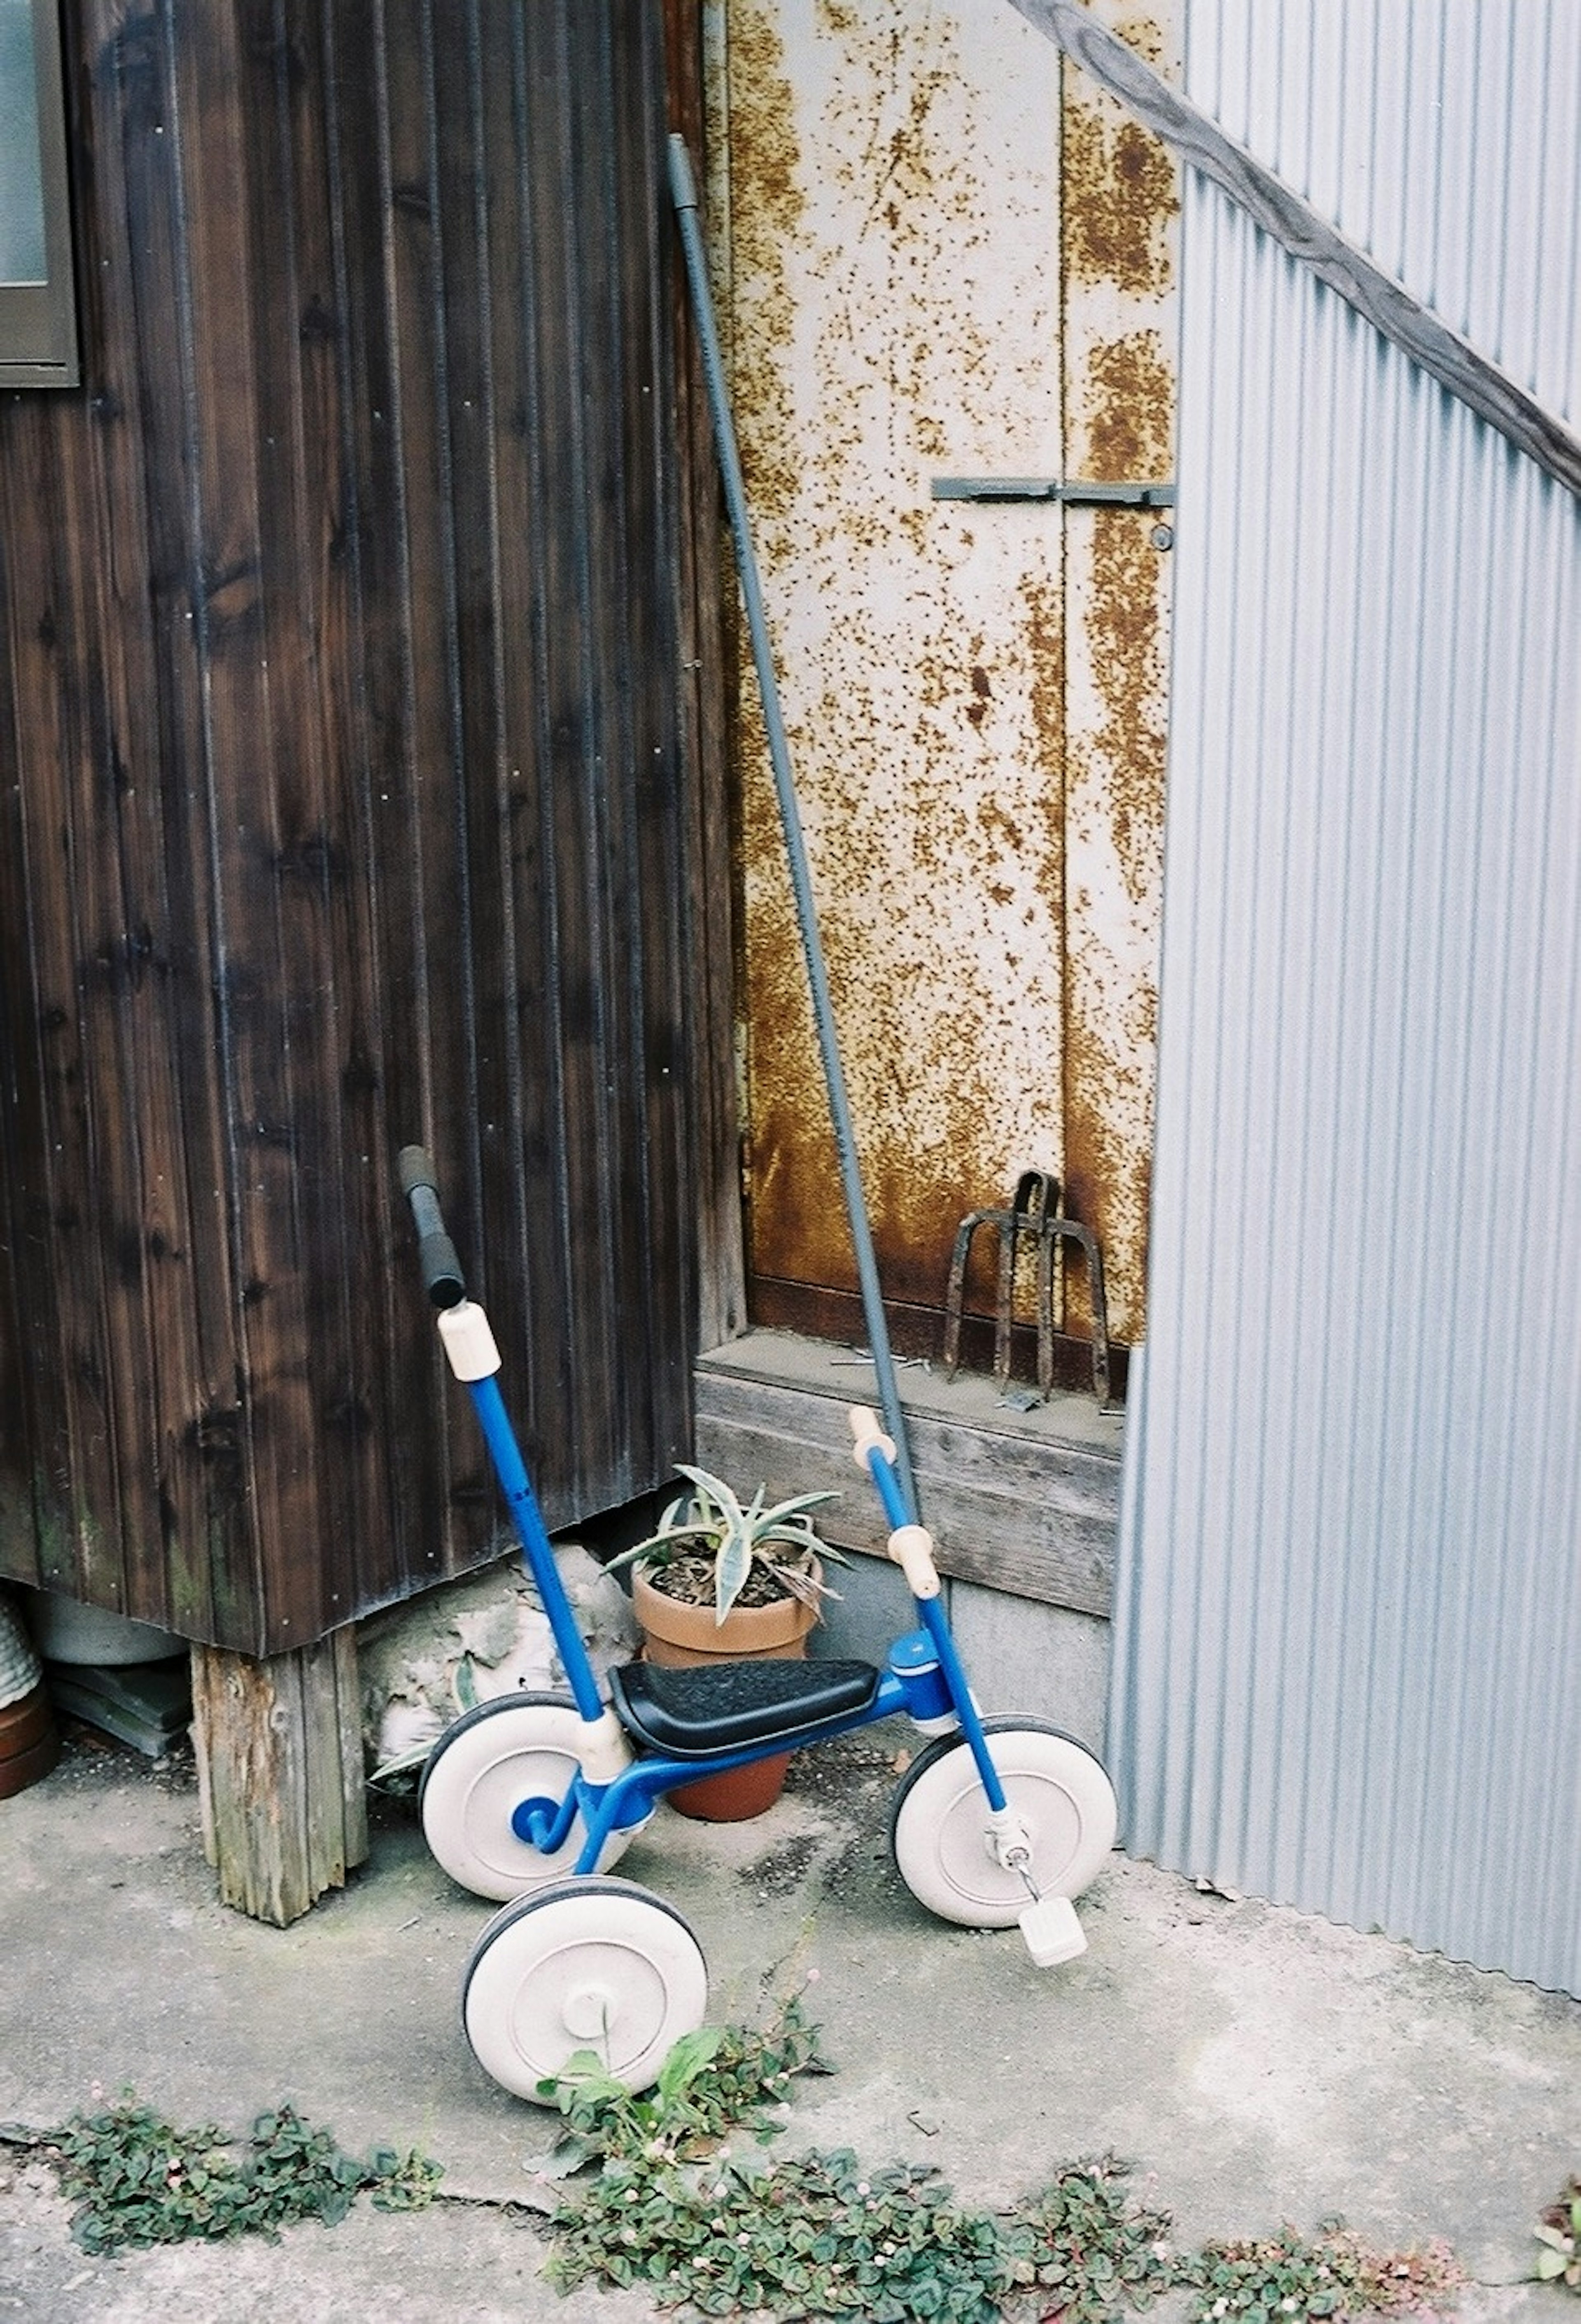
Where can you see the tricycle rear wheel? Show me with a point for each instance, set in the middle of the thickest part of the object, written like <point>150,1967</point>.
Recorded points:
<point>511,1749</point>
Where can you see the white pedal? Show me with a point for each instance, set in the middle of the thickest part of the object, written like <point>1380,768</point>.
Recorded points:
<point>1052,1931</point>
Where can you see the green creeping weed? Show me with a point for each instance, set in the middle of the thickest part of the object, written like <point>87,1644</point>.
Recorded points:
<point>137,2179</point>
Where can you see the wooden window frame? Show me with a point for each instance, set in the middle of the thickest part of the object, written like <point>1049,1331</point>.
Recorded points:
<point>38,320</point>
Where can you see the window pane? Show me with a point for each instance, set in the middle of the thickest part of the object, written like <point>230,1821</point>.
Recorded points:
<point>22,184</point>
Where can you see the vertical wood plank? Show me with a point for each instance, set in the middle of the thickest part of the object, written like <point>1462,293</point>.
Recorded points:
<point>36,1430</point>
<point>143,403</point>
<point>709,941</point>
<point>249,771</point>
<point>569,788</point>
<point>145,1175</point>
<point>411,1537</point>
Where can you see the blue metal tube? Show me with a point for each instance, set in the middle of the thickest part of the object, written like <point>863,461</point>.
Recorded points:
<point>936,1622</point>
<point>889,1493</point>
<point>684,194</point>
<point>546,1824</point>
<point>530,1531</point>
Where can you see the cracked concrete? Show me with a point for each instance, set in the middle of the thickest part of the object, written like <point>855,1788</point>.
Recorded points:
<point>1259,2066</point>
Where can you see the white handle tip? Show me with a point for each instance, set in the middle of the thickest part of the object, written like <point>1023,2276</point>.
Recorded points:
<point>866,1431</point>
<point>469,1343</point>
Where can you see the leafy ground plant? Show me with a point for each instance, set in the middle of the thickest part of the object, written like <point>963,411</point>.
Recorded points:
<point>1087,2243</point>
<point>672,2211</point>
<point>1559,2257</point>
<point>1331,2274</point>
<point>138,2180</point>
<point>712,2082</point>
<point>816,2237</point>
<point>823,2236</point>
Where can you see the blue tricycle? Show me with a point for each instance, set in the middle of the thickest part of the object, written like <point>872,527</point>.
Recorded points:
<point>529,1798</point>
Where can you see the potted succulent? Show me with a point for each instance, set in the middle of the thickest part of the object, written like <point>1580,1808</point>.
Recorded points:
<point>724,1581</point>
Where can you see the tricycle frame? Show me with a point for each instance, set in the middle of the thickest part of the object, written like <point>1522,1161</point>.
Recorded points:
<point>996,1822</point>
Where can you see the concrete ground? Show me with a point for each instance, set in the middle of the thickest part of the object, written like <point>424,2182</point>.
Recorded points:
<point>1259,2067</point>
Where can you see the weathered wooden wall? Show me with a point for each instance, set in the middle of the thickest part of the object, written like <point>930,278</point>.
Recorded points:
<point>346,801</point>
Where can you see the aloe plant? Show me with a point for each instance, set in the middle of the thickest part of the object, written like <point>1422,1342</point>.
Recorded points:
<point>1560,2238</point>
<point>709,1521</point>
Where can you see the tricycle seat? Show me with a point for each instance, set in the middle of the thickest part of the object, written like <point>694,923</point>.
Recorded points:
<point>702,1713</point>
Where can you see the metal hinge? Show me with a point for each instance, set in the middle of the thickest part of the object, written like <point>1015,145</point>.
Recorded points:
<point>1050,488</point>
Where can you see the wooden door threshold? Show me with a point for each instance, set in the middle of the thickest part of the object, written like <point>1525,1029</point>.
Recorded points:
<point>1022,1497</point>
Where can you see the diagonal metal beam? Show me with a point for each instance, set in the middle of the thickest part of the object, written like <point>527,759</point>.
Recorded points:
<point>1281,212</point>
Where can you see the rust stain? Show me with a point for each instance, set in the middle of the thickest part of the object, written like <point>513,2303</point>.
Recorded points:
<point>1121,199</point>
<point>892,151</point>
<point>1115,780</point>
<point>767,212</point>
<point>1120,190</point>
<point>1129,417</point>
<point>1144,34</point>
<point>927,1080</point>
<point>919,1181</point>
<point>993,819</point>
<point>917,1193</point>
<point>1130,402</point>
<point>1111,1195</point>
<point>790,1145</point>
<point>1124,626</point>
<point>1045,694</point>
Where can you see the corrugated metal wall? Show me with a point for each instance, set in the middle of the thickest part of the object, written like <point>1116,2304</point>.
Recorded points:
<point>1350,1600</point>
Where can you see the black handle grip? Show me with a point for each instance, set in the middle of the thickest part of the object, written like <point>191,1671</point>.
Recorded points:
<point>436,1256</point>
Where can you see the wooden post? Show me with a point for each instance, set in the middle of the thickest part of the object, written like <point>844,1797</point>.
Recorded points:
<point>279,1761</point>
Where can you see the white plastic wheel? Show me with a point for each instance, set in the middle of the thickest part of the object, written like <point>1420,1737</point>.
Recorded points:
<point>589,1964</point>
<point>938,1828</point>
<point>514,1747</point>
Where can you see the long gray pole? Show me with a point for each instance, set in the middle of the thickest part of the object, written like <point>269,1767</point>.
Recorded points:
<point>685,193</point>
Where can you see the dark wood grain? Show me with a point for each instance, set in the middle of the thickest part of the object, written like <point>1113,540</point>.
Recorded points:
<point>707,842</point>
<point>1279,212</point>
<point>353,796</point>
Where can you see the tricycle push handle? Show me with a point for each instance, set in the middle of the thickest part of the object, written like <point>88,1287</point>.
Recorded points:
<point>436,1256</point>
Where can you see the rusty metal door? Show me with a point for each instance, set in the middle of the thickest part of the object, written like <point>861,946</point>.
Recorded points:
<point>940,268</point>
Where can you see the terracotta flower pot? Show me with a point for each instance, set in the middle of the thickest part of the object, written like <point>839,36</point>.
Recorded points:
<point>677,1636</point>
<point>29,1742</point>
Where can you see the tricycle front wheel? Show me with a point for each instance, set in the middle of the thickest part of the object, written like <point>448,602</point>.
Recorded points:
<point>587,1964</point>
<point>938,1826</point>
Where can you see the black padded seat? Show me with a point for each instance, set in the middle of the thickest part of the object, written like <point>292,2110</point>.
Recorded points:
<point>693,1714</point>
